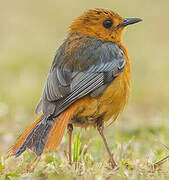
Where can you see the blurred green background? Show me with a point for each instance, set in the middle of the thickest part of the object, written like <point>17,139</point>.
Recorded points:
<point>30,33</point>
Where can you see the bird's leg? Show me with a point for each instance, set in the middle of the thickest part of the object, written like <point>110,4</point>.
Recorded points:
<point>100,128</point>
<point>70,130</point>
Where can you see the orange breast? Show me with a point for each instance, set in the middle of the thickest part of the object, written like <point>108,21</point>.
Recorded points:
<point>87,110</point>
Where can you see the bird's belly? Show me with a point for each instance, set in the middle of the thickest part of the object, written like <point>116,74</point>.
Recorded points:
<point>106,107</point>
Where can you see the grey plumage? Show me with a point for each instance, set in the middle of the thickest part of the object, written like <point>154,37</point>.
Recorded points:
<point>78,70</point>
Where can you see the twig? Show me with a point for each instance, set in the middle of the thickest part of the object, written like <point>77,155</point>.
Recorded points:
<point>160,162</point>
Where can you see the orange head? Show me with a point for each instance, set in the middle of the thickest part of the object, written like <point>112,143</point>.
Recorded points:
<point>102,24</point>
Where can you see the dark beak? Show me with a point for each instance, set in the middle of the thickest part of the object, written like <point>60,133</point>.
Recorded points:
<point>128,21</point>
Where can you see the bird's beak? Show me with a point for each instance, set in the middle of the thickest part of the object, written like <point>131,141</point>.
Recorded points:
<point>128,21</point>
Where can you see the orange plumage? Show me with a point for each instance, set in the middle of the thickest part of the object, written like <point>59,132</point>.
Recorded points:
<point>88,84</point>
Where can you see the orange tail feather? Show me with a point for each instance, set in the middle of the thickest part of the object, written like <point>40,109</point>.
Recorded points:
<point>42,135</point>
<point>12,150</point>
<point>55,136</point>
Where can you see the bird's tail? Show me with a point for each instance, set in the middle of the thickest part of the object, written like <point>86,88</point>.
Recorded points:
<point>43,134</point>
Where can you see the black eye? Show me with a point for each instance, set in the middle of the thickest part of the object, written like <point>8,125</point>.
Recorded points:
<point>108,23</point>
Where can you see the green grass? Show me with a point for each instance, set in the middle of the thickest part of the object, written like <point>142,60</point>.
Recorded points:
<point>30,33</point>
<point>76,148</point>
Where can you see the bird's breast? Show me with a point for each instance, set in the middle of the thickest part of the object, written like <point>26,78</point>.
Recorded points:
<point>107,106</point>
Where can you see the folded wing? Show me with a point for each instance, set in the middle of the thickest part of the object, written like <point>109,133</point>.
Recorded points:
<point>79,70</point>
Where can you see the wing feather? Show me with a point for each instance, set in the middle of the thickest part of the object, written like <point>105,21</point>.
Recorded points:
<point>79,70</point>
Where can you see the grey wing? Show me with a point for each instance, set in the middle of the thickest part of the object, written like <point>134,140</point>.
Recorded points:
<point>55,88</point>
<point>64,87</point>
<point>96,79</point>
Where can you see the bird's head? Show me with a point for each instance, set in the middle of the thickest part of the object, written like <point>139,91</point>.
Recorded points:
<point>102,24</point>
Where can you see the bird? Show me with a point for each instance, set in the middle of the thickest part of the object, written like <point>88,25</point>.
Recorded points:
<point>88,84</point>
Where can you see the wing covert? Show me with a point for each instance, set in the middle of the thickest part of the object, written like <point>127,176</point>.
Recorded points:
<point>79,70</point>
